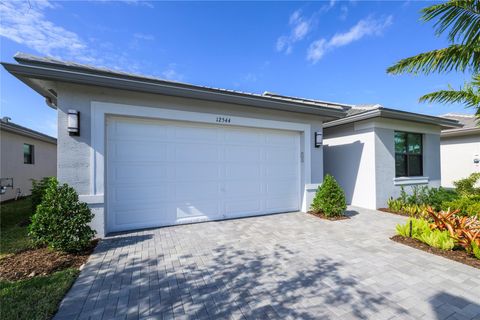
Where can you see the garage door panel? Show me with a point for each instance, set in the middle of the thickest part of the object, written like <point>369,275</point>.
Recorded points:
<point>242,171</point>
<point>165,172</point>
<point>242,188</point>
<point>281,203</point>
<point>191,172</point>
<point>280,154</point>
<point>126,131</point>
<point>197,152</point>
<point>280,187</point>
<point>244,137</point>
<point>243,153</point>
<point>141,151</point>
<point>196,133</point>
<point>243,207</point>
<point>280,139</point>
<point>137,173</point>
<point>197,190</point>
<point>197,209</point>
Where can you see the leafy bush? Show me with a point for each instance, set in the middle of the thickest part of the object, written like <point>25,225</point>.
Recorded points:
<point>438,239</point>
<point>421,231</point>
<point>330,198</point>
<point>61,221</point>
<point>38,191</point>
<point>415,204</point>
<point>468,205</point>
<point>476,250</point>
<point>466,186</point>
<point>419,227</point>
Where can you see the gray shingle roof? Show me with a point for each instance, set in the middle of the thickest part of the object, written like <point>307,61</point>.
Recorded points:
<point>467,120</point>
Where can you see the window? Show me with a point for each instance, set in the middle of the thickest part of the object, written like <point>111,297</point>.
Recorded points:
<point>408,154</point>
<point>27,153</point>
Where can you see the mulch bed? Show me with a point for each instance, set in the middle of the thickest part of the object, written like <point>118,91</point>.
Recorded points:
<point>42,261</point>
<point>322,216</point>
<point>456,255</point>
<point>394,212</point>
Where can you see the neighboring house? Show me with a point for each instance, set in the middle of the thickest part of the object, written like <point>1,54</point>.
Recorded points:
<point>25,155</point>
<point>460,149</point>
<point>149,152</point>
<point>374,151</point>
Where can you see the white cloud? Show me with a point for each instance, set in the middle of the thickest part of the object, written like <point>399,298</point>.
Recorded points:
<point>25,23</point>
<point>143,36</point>
<point>299,28</point>
<point>171,73</point>
<point>365,27</point>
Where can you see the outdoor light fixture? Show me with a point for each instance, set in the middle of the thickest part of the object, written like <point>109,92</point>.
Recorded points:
<point>73,123</point>
<point>318,139</point>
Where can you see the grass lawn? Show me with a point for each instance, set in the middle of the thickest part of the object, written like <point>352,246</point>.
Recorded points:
<point>14,237</point>
<point>35,298</point>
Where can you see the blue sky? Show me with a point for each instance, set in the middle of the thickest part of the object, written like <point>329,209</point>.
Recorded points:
<point>332,50</point>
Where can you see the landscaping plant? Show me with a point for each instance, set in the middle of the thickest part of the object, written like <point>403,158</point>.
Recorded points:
<point>466,187</point>
<point>420,229</point>
<point>329,198</point>
<point>464,230</point>
<point>38,191</point>
<point>476,250</point>
<point>467,205</point>
<point>61,220</point>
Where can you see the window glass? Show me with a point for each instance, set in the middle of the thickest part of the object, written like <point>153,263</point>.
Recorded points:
<point>27,153</point>
<point>400,142</point>
<point>408,154</point>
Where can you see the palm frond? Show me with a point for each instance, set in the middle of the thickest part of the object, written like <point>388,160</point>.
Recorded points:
<point>454,57</point>
<point>462,17</point>
<point>468,95</point>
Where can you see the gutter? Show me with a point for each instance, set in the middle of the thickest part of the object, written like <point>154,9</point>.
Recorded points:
<point>394,114</point>
<point>126,82</point>
<point>459,132</point>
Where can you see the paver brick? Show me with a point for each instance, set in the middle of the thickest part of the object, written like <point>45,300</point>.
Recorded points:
<point>284,266</point>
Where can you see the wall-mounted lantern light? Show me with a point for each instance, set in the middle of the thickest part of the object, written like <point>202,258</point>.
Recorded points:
<point>318,139</point>
<point>73,123</point>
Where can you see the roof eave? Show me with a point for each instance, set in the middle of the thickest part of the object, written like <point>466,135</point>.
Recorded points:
<point>395,114</point>
<point>26,72</point>
<point>460,132</point>
<point>27,133</point>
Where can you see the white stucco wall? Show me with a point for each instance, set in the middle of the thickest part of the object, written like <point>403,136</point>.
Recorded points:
<point>457,158</point>
<point>361,157</point>
<point>12,166</point>
<point>75,153</point>
<point>349,156</point>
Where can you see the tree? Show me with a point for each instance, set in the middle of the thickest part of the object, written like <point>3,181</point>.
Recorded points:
<point>461,19</point>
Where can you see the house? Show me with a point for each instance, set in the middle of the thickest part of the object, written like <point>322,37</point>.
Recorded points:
<point>145,152</point>
<point>25,155</point>
<point>460,149</point>
<point>375,151</point>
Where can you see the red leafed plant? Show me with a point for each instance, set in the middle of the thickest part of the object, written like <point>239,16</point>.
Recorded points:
<point>465,230</point>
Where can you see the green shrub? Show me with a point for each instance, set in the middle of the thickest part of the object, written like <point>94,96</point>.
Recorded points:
<point>38,191</point>
<point>61,221</point>
<point>421,231</point>
<point>437,196</point>
<point>468,205</point>
<point>330,198</point>
<point>476,250</point>
<point>419,227</point>
<point>467,186</point>
<point>438,239</point>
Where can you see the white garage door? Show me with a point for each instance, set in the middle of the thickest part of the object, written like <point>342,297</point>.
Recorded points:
<point>168,172</point>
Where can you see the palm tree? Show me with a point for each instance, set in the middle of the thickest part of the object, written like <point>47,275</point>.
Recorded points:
<point>461,19</point>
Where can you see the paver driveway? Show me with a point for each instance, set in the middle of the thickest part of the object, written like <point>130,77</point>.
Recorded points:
<point>291,265</point>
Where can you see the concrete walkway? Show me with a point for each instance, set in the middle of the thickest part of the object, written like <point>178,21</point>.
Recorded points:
<point>284,266</point>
